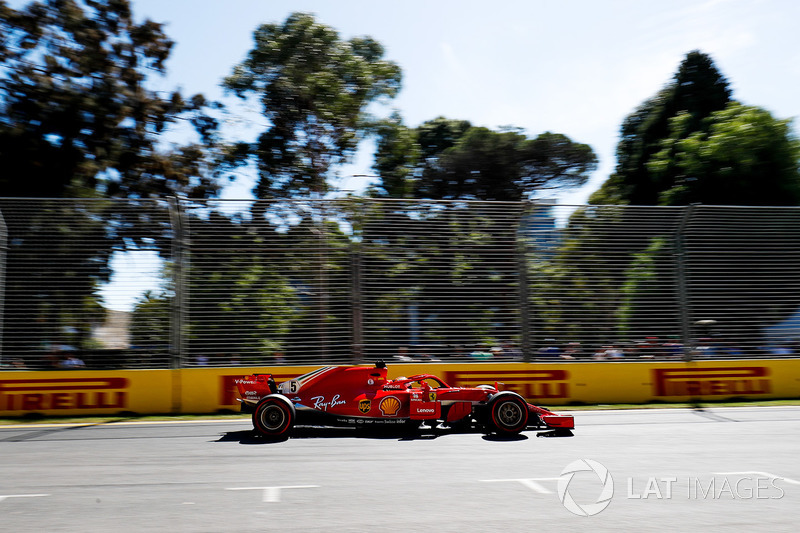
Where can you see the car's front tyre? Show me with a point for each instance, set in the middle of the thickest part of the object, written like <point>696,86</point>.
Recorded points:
<point>508,414</point>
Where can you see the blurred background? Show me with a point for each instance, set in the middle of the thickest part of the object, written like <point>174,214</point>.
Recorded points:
<point>192,183</point>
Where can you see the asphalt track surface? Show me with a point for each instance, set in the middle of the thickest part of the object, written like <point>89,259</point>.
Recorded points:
<point>722,469</point>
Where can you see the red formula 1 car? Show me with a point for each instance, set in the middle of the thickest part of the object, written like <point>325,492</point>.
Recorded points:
<point>362,396</point>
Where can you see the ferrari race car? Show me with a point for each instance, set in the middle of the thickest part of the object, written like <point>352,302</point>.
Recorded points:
<point>362,396</point>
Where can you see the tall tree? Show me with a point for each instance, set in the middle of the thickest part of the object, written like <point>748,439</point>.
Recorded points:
<point>77,120</point>
<point>742,155</point>
<point>451,159</point>
<point>697,90</point>
<point>314,88</point>
<point>76,116</point>
<point>692,143</point>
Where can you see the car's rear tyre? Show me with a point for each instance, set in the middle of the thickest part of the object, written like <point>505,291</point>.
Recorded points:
<point>274,416</point>
<point>508,414</point>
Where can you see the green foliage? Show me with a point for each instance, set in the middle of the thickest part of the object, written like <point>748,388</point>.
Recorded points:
<point>450,268</point>
<point>697,90</point>
<point>56,259</point>
<point>640,281</point>
<point>396,158</point>
<point>314,89</point>
<point>451,159</point>
<point>76,117</point>
<point>688,144</point>
<point>150,322</point>
<point>77,120</point>
<point>574,285</point>
<point>742,156</point>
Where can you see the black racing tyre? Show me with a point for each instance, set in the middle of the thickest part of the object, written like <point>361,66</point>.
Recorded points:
<point>273,416</point>
<point>508,414</point>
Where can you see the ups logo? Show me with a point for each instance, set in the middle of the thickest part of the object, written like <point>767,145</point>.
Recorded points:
<point>364,406</point>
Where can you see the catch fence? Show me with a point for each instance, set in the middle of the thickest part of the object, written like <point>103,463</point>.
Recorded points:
<point>179,283</point>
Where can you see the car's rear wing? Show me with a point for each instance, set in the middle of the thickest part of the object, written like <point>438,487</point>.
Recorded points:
<point>254,387</point>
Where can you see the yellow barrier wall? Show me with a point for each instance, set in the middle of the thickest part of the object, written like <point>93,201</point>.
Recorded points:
<point>86,392</point>
<point>627,382</point>
<point>208,390</point>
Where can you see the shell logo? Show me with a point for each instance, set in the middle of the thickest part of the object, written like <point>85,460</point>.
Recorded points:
<point>389,406</point>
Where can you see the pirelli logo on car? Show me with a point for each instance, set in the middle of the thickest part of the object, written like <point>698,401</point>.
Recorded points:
<point>527,383</point>
<point>711,381</point>
<point>63,393</point>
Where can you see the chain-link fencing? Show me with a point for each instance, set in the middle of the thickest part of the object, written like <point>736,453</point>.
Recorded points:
<point>179,283</point>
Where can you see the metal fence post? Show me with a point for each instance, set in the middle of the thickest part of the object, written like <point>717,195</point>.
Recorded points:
<point>357,311</point>
<point>524,301</point>
<point>3,256</point>
<point>177,337</point>
<point>682,285</point>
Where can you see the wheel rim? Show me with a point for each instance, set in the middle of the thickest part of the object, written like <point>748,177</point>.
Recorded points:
<point>509,414</point>
<point>272,417</point>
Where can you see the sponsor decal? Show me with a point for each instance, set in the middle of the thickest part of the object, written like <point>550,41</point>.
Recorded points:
<point>527,383</point>
<point>389,406</point>
<point>712,381</point>
<point>63,393</point>
<point>321,405</point>
<point>228,391</point>
<point>431,396</point>
<point>369,421</point>
<point>364,406</point>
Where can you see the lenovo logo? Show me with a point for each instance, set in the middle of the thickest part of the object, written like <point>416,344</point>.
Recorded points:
<point>716,381</point>
<point>527,383</point>
<point>63,393</point>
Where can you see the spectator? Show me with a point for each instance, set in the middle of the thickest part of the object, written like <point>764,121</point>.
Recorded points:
<point>572,351</point>
<point>652,349</point>
<point>402,354</point>
<point>614,354</point>
<point>550,350</point>
<point>511,352</point>
<point>18,364</point>
<point>71,362</point>
<point>480,354</point>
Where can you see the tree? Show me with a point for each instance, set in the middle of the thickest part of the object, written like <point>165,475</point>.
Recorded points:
<point>697,90</point>
<point>76,116</point>
<point>438,277</point>
<point>240,303</point>
<point>77,120</point>
<point>314,89</point>
<point>741,156</point>
<point>640,279</point>
<point>151,328</point>
<point>450,159</point>
<point>692,143</point>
